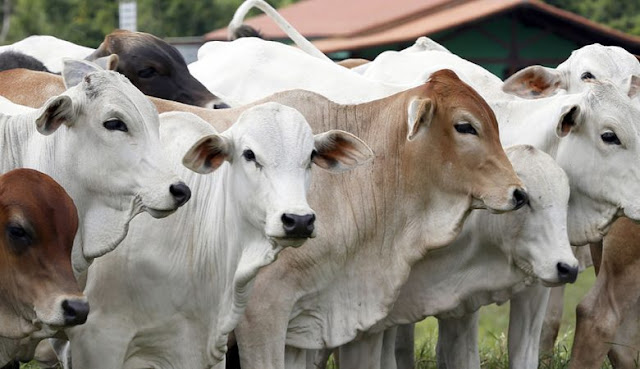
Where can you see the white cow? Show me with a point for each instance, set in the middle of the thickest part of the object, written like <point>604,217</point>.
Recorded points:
<point>176,288</point>
<point>591,62</point>
<point>100,141</point>
<point>255,69</point>
<point>494,256</point>
<point>49,50</point>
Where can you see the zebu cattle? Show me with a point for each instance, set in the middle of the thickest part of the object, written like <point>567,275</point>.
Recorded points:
<point>386,210</point>
<point>99,140</point>
<point>39,292</point>
<point>493,256</point>
<point>208,254</point>
<point>152,65</point>
<point>399,68</point>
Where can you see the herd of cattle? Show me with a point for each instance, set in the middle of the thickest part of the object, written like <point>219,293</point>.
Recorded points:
<point>289,268</point>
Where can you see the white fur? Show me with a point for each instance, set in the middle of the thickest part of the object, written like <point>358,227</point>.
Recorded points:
<point>49,50</point>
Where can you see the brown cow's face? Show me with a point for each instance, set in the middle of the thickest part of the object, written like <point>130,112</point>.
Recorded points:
<point>154,67</point>
<point>454,145</point>
<point>38,223</point>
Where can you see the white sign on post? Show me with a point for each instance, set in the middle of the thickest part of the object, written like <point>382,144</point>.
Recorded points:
<point>128,15</point>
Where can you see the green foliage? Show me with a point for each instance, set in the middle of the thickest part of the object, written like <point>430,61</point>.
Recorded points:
<point>86,22</point>
<point>623,15</point>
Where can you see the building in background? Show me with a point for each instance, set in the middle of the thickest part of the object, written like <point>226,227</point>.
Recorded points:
<point>501,35</point>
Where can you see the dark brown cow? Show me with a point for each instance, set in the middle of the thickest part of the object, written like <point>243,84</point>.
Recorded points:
<point>154,67</point>
<point>39,294</point>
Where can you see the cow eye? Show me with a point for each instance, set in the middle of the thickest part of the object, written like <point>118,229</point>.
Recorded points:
<point>465,128</point>
<point>115,125</point>
<point>610,138</point>
<point>248,155</point>
<point>147,72</point>
<point>18,235</point>
<point>587,75</point>
<point>314,153</point>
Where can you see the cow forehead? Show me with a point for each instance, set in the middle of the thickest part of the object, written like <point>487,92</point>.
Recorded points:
<point>451,92</point>
<point>147,46</point>
<point>275,131</point>
<point>610,105</point>
<point>118,91</point>
<point>608,61</point>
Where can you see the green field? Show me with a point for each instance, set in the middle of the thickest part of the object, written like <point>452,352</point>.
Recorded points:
<point>493,333</point>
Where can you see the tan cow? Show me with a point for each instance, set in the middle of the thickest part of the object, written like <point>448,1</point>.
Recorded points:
<point>438,156</point>
<point>38,292</point>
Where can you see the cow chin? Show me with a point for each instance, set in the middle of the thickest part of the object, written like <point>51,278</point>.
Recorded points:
<point>159,213</point>
<point>288,241</point>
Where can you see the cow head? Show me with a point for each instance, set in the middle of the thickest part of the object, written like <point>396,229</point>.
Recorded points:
<point>453,146</point>
<point>271,151</point>
<point>599,151</point>
<point>38,223</point>
<point>108,156</point>
<point>535,236</point>
<point>589,63</point>
<point>155,67</point>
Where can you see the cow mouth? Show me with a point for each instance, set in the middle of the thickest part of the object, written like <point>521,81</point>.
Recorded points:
<point>289,241</point>
<point>159,213</point>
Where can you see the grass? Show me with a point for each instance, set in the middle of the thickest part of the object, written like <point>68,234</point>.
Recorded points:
<point>492,333</point>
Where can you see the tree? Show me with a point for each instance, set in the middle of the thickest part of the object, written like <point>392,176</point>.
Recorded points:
<point>623,15</point>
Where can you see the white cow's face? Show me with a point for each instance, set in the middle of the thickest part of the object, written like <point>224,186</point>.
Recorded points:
<point>597,62</point>
<point>601,154</point>
<point>587,64</point>
<point>110,154</point>
<point>535,236</point>
<point>271,150</point>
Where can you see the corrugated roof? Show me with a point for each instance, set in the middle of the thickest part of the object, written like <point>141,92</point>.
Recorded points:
<point>331,18</point>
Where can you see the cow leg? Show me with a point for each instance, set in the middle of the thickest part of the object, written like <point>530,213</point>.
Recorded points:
<point>458,342</point>
<point>295,358</point>
<point>92,345</point>
<point>614,293</point>
<point>405,346</point>
<point>526,314</point>
<point>45,355</point>
<point>363,353</point>
<point>626,352</point>
<point>552,320</point>
<point>318,359</point>
<point>388,353</point>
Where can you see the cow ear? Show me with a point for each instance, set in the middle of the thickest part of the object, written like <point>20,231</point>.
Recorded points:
<point>633,85</point>
<point>108,62</point>
<point>339,151</point>
<point>55,112</point>
<point>75,70</point>
<point>534,82</point>
<point>569,119</point>
<point>420,115</point>
<point>208,154</point>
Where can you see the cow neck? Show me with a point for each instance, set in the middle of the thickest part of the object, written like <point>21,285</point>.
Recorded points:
<point>532,121</point>
<point>470,272</point>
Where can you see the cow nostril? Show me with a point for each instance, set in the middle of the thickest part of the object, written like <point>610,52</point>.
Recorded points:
<point>221,105</point>
<point>180,192</point>
<point>520,198</point>
<point>567,273</point>
<point>75,311</point>
<point>299,226</point>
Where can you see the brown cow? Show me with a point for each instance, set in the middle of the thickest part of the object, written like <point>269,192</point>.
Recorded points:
<point>39,292</point>
<point>612,301</point>
<point>154,67</point>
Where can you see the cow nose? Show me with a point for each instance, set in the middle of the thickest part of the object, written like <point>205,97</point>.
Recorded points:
<point>298,226</point>
<point>567,273</point>
<point>75,311</point>
<point>221,105</point>
<point>180,192</point>
<point>520,198</point>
